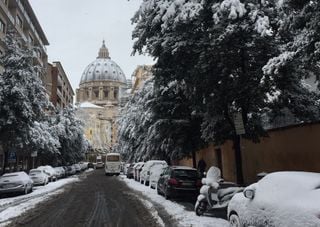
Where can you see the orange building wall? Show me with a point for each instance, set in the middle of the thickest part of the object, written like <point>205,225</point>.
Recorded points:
<point>287,149</point>
<point>294,148</point>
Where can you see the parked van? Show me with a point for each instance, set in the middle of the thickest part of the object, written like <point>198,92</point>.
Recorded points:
<point>113,164</point>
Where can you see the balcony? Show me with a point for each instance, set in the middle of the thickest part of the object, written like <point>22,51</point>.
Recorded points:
<point>59,94</point>
<point>29,22</point>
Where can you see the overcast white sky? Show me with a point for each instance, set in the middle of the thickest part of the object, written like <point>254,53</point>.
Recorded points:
<point>75,30</point>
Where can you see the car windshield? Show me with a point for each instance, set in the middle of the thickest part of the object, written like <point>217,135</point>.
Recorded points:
<point>113,158</point>
<point>185,173</point>
<point>35,172</point>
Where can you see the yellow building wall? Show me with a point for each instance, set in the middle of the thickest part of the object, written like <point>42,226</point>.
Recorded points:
<point>287,149</point>
<point>209,155</point>
<point>294,149</point>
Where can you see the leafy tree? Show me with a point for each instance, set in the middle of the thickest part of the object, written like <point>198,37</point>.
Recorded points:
<point>226,53</point>
<point>23,98</point>
<point>69,130</point>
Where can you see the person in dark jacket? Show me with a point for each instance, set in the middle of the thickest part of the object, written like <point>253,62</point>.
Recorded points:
<point>202,166</point>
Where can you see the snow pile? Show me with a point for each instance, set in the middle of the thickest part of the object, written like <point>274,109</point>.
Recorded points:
<point>185,218</point>
<point>15,206</point>
<point>89,105</point>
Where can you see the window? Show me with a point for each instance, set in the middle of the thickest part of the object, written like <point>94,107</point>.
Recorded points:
<point>19,21</point>
<point>2,26</point>
<point>113,158</point>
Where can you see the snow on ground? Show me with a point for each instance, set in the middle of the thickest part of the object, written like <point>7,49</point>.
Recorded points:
<point>15,206</point>
<point>185,218</point>
<point>89,170</point>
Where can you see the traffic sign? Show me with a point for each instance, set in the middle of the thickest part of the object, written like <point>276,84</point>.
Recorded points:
<point>12,157</point>
<point>34,154</point>
<point>238,123</point>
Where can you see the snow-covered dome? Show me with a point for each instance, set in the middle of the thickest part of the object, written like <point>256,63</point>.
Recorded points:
<point>103,69</point>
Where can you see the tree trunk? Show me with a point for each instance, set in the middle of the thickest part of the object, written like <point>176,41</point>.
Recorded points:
<point>238,159</point>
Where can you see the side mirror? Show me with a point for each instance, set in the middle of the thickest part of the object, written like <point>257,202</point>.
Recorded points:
<point>248,193</point>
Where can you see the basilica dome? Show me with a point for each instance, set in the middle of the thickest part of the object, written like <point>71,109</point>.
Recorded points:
<point>103,82</point>
<point>103,69</point>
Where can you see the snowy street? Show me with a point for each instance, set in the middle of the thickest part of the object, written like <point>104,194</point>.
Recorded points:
<point>178,211</point>
<point>93,199</point>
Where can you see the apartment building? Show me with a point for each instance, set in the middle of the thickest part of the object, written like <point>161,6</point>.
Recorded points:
<point>18,15</point>
<point>58,86</point>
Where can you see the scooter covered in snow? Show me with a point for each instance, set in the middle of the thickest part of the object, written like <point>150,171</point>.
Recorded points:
<point>215,193</point>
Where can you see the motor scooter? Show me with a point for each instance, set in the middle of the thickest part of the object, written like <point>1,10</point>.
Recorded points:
<point>215,193</point>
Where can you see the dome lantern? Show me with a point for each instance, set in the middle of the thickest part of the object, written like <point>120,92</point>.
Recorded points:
<point>103,52</point>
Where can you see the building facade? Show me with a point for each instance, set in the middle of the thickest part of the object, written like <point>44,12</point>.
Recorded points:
<point>58,86</point>
<point>19,16</point>
<point>101,88</point>
<point>139,76</point>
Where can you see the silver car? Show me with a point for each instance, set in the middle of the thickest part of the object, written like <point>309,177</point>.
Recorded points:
<point>15,182</point>
<point>39,177</point>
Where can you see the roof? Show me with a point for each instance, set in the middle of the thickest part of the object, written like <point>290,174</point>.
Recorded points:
<point>103,69</point>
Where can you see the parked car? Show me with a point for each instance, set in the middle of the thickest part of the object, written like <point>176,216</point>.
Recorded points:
<point>83,165</point>
<point>178,181</point>
<point>77,167</point>
<point>145,171</point>
<point>137,169</point>
<point>155,172</point>
<point>71,170</point>
<point>60,172</point>
<point>39,177</point>
<point>278,199</point>
<point>130,171</point>
<point>125,168</point>
<point>15,182</point>
<point>90,165</point>
<point>50,171</point>
<point>99,165</point>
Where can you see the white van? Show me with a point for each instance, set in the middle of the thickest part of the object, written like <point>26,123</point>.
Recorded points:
<point>113,164</point>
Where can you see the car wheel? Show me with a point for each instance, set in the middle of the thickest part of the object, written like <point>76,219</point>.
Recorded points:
<point>166,194</point>
<point>26,190</point>
<point>234,221</point>
<point>158,191</point>
<point>201,207</point>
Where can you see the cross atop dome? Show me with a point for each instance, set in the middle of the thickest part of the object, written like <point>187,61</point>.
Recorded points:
<point>103,52</point>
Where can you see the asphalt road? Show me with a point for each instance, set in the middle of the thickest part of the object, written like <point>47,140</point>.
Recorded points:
<point>97,200</point>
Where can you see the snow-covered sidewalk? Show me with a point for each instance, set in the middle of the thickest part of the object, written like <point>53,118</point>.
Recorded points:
<point>15,206</point>
<point>185,218</point>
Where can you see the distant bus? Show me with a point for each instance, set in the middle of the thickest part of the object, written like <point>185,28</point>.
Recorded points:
<point>113,164</point>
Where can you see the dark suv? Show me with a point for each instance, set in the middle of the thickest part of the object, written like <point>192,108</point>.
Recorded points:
<point>179,181</point>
